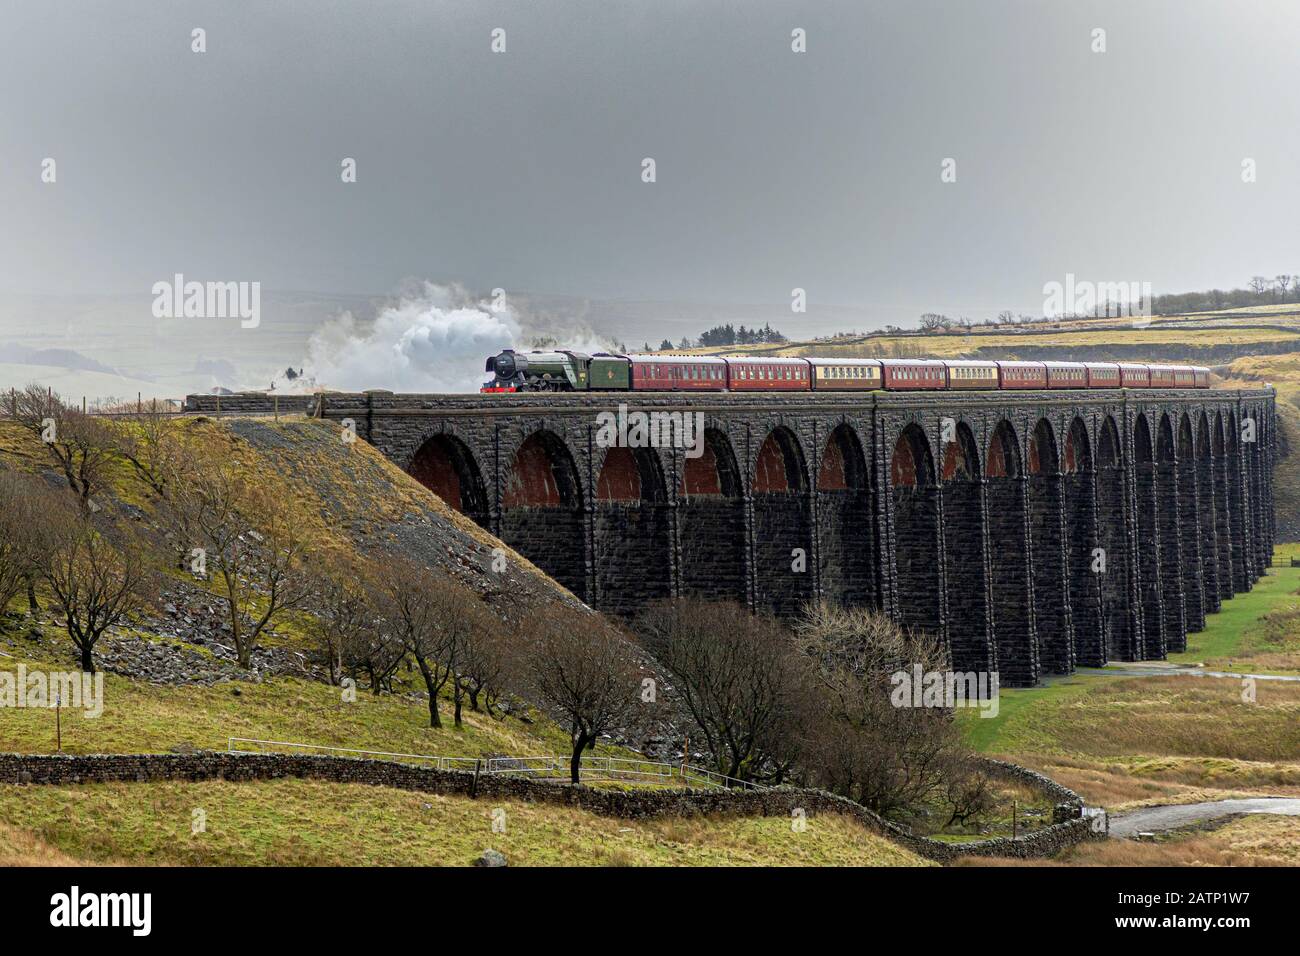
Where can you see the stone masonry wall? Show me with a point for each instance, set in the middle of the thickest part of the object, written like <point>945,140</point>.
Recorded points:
<point>635,804</point>
<point>896,548</point>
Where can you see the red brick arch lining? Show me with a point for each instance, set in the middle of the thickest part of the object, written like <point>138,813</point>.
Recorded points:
<point>543,474</point>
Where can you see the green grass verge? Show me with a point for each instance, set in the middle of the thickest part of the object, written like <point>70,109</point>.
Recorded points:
<point>312,823</point>
<point>139,717</point>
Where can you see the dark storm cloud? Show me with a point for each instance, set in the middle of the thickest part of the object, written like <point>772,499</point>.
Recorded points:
<point>775,170</point>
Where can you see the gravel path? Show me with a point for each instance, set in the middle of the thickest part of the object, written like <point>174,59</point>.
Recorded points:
<point>1153,819</point>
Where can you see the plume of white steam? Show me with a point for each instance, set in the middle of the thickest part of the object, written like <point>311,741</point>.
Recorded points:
<point>432,340</point>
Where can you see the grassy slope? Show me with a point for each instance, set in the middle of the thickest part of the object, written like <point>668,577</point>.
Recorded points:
<point>347,497</point>
<point>1276,329</point>
<point>1126,740</point>
<point>310,823</point>
<point>141,717</point>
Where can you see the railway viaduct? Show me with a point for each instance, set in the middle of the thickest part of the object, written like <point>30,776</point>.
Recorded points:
<point>1034,532</point>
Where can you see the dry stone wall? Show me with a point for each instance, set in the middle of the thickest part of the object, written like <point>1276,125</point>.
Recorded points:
<point>631,804</point>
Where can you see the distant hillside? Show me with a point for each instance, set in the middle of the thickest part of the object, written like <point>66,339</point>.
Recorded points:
<point>1245,348</point>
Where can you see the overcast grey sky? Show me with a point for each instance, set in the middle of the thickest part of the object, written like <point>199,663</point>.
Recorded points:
<point>775,170</point>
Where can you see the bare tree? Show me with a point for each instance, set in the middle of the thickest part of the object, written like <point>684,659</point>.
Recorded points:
<point>485,665</point>
<point>96,584</point>
<point>344,615</point>
<point>148,442</point>
<point>24,512</point>
<point>1283,283</point>
<point>435,619</point>
<point>969,794</point>
<point>249,542</point>
<point>78,443</point>
<point>861,745</point>
<point>740,677</point>
<point>375,650</point>
<point>584,673</point>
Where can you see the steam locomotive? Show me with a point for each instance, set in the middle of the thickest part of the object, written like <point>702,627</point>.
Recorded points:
<point>566,371</point>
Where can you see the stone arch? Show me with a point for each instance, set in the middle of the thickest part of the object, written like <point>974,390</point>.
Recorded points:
<point>711,523</point>
<point>1121,618</point>
<point>542,509</point>
<point>632,531</point>
<point>1148,547</point>
<point>1206,520</point>
<point>1078,449</point>
<point>445,465</point>
<point>844,520</point>
<point>1047,545</point>
<point>1079,489</point>
<point>1236,504</point>
<point>915,501</point>
<point>1043,459</point>
<point>1223,527</point>
<point>1253,457</point>
<point>1188,540</point>
<point>970,623</point>
<point>911,464</point>
<point>783,578</point>
<point>1003,459</point>
<point>780,465</point>
<point>1010,574</point>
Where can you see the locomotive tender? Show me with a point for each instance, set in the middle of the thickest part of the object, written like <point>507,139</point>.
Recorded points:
<point>566,371</point>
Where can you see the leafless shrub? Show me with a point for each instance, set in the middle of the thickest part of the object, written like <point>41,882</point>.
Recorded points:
<point>890,758</point>
<point>435,619</point>
<point>78,443</point>
<point>97,582</point>
<point>147,441</point>
<point>250,543</point>
<point>741,678</point>
<point>969,795</point>
<point>343,615</point>
<point>490,657</point>
<point>24,502</point>
<point>585,674</point>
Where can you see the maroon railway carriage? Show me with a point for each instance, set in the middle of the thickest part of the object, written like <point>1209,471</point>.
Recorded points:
<point>1022,375</point>
<point>902,375</point>
<point>965,375</point>
<point>1134,376</point>
<point>1163,376</point>
<point>1066,374</point>
<point>707,373</point>
<point>768,375</point>
<point>677,373</point>
<point>1103,375</point>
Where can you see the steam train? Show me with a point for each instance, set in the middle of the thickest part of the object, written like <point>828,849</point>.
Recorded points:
<point>565,371</point>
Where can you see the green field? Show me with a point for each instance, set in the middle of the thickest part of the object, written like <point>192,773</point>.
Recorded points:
<point>310,823</point>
